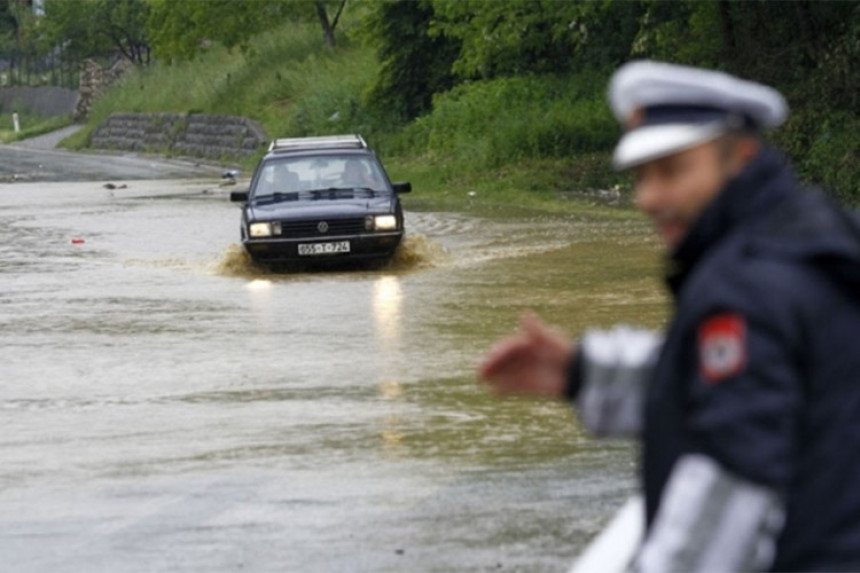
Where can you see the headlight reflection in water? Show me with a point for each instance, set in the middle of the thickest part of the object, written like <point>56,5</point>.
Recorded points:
<point>387,299</point>
<point>387,304</point>
<point>260,291</point>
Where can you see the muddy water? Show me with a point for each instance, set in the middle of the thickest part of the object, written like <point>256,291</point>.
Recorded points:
<point>166,406</point>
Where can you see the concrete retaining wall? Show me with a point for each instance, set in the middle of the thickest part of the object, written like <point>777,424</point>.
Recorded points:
<point>195,135</point>
<point>46,100</point>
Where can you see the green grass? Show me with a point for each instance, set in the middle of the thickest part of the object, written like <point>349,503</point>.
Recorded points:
<point>532,185</point>
<point>288,81</point>
<point>31,126</point>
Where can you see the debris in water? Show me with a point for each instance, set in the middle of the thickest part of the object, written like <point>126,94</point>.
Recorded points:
<point>229,177</point>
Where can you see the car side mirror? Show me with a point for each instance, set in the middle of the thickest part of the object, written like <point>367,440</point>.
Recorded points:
<point>239,196</point>
<point>402,187</point>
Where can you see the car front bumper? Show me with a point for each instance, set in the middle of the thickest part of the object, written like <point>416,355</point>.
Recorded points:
<point>278,250</point>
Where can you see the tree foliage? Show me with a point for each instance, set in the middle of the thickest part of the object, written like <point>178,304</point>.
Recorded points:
<point>534,36</point>
<point>85,28</point>
<point>180,29</point>
<point>808,50</point>
<point>18,29</point>
<point>414,64</point>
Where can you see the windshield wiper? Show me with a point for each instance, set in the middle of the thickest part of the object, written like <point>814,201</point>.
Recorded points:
<point>278,196</point>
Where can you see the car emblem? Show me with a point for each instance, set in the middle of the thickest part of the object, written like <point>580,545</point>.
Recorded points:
<point>322,227</point>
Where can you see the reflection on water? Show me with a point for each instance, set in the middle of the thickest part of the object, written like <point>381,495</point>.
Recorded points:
<point>392,435</point>
<point>386,310</point>
<point>390,390</point>
<point>387,306</point>
<point>260,294</point>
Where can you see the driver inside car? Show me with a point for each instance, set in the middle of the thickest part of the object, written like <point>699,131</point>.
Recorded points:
<point>355,175</point>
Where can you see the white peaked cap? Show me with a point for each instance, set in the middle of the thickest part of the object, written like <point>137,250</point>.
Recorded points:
<point>639,86</point>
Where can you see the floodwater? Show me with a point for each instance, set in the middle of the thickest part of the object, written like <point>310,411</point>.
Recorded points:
<point>166,406</point>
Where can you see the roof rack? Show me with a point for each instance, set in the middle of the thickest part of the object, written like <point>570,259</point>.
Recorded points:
<point>325,142</point>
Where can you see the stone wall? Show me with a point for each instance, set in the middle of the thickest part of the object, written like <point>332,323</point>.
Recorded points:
<point>94,80</point>
<point>193,135</point>
<point>45,100</point>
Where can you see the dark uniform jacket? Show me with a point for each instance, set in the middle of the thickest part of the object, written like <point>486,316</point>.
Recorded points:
<point>760,369</point>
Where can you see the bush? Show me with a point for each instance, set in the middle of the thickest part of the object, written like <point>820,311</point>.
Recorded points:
<point>833,158</point>
<point>505,120</point>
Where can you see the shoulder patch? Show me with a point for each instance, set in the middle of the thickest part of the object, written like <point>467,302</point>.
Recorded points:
<point>722,346</point>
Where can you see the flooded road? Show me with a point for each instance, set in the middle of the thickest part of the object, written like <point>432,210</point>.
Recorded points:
<point>167,407</point>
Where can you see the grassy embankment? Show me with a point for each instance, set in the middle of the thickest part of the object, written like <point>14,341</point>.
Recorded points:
<point>523,141</point>
<point>31,125</point>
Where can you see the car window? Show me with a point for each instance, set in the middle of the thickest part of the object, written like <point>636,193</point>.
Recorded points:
<point>288,175</point>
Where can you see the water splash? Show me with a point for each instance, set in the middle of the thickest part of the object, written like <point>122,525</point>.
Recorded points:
<point>235,261</point>
<point>416,251</point>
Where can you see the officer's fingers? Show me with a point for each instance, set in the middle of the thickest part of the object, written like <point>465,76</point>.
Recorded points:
<point>505,356</point>
<point>518,381</point>
<point>502,385</point>
<point>531,325</point>
<point>529,381</point>
<point>553,342</point>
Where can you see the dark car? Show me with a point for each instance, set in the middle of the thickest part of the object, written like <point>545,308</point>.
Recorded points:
<point>321,199</point>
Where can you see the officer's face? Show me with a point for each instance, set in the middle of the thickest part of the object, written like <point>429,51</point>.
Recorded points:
<point>674,190</point>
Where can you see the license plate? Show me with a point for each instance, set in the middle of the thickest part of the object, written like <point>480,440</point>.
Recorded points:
<point>317,249</point>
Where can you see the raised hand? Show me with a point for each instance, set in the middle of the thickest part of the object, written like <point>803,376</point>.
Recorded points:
<point>533,362</point>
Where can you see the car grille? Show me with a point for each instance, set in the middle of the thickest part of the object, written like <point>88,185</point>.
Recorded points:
<point>311,229</point>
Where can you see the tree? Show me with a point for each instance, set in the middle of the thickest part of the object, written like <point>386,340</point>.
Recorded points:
<point>535,36</point>
<point>413,63</point>
<point>180,29</point>
<point>329,24</point>
<point>86,28</point>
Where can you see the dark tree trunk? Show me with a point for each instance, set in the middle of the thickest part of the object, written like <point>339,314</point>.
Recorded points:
<point>328,30</point>
<point>328,26</point>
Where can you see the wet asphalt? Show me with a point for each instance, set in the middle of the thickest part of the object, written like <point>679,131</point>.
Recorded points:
<point>167,406</point>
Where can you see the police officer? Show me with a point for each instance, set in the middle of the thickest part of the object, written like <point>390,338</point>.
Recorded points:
<point>748,406</point>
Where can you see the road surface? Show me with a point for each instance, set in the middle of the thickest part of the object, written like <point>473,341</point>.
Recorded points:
<point>168,407</point>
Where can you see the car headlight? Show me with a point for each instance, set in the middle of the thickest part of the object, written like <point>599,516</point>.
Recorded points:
<point>385,223</point>
<point>258,230</point>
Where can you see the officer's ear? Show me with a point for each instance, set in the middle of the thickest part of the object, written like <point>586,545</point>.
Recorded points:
<point>738,149</point>
<point>748,146</point>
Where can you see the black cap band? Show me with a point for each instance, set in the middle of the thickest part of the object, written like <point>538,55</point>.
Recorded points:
<point>696,115</point>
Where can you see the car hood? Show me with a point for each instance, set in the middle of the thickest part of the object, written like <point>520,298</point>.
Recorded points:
<point>328,208</point>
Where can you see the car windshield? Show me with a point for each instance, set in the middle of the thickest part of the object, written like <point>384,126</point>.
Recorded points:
<point>319,172</point>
